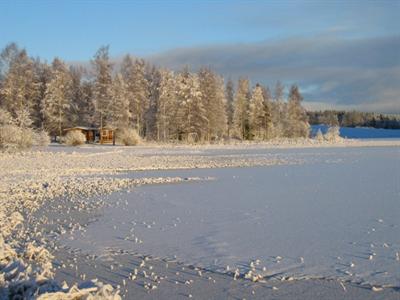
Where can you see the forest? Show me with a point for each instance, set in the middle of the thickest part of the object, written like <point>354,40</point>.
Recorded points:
<point>160,104</point>
<point>354,119</point>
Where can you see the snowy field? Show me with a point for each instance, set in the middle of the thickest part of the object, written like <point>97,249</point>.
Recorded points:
<point>334,215</point>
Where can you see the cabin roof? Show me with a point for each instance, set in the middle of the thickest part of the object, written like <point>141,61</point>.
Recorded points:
<point>90,128</point>
<point>80,128</point>
<point>108,128</point>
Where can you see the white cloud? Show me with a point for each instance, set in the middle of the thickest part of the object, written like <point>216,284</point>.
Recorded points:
<point>360,73</point>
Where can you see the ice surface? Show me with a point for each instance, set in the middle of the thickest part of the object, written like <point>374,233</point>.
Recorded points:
<point>360,132</point>
<point>337,215</point>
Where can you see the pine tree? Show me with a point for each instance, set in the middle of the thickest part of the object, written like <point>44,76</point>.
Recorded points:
<point>103,83</point>
<point>57,98</point>
<point>240,110</point>
<point>298,121</point>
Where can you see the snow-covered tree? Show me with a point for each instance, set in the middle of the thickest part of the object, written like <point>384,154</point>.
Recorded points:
<point>7,56</point>
<point>20,85</point>
<point>230,96</point>
<point>119,108</point>
<point>333,134</point>
<point>153,78</point>
<point>257,116</point>
<point>220,118</point>
<point>268,123</point>
<point>103,83</point>
<point>329,118</point>
<point>138,91</point>
<point>77,104</point>
<point>297,117</point>
<point>167,107</point>
<point>214,102</point>
<point>57,98</point>
<point>279,111</point>
<point>240,109</point>
<point>191,113</point>
<point>23,118</point>
<point>319,136</point>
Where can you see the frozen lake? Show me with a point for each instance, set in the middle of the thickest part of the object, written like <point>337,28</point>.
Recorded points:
<point>336,215</point>
<point>361,132</point>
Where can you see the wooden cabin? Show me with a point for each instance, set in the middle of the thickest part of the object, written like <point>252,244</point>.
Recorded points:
<point>107,135</point>
<point>89,132</point>
<point>104,135</point>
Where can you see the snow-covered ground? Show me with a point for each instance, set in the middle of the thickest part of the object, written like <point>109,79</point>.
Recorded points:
<point>279,210</point>
<point>333,214</point>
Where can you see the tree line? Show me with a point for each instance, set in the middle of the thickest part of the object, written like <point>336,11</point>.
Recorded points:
<point>354,119</point>
<point>160,104</point>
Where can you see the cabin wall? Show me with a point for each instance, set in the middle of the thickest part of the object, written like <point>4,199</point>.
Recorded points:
<point>107,136</point>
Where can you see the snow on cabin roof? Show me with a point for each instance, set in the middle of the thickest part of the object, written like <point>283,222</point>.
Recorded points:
<point>90,128</point>
<point>108,128</point>
<point>81,128</point>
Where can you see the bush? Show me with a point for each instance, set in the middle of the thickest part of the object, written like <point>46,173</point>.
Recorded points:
<point>6,118</point>
<point>42,138</point>
<point>319,136</point>
<point>333,134</point>
<point>74,138</point>
<point>128,137</point>
<point>13,138</point>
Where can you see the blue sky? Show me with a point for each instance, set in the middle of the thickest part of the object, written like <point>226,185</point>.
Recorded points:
<point>208,32</point>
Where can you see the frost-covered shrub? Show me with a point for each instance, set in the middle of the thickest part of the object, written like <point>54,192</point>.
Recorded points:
<point>6,118</point>
<point>14,132</point>
<point>9,137</point>
<point>26,138</point>
<point>23,118</point>
<point>319,136</point>
<point>74,138</point>
<point>13,138</point>
<point>41,138</point>
<point>333,134</point>
<point>128,137</point>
